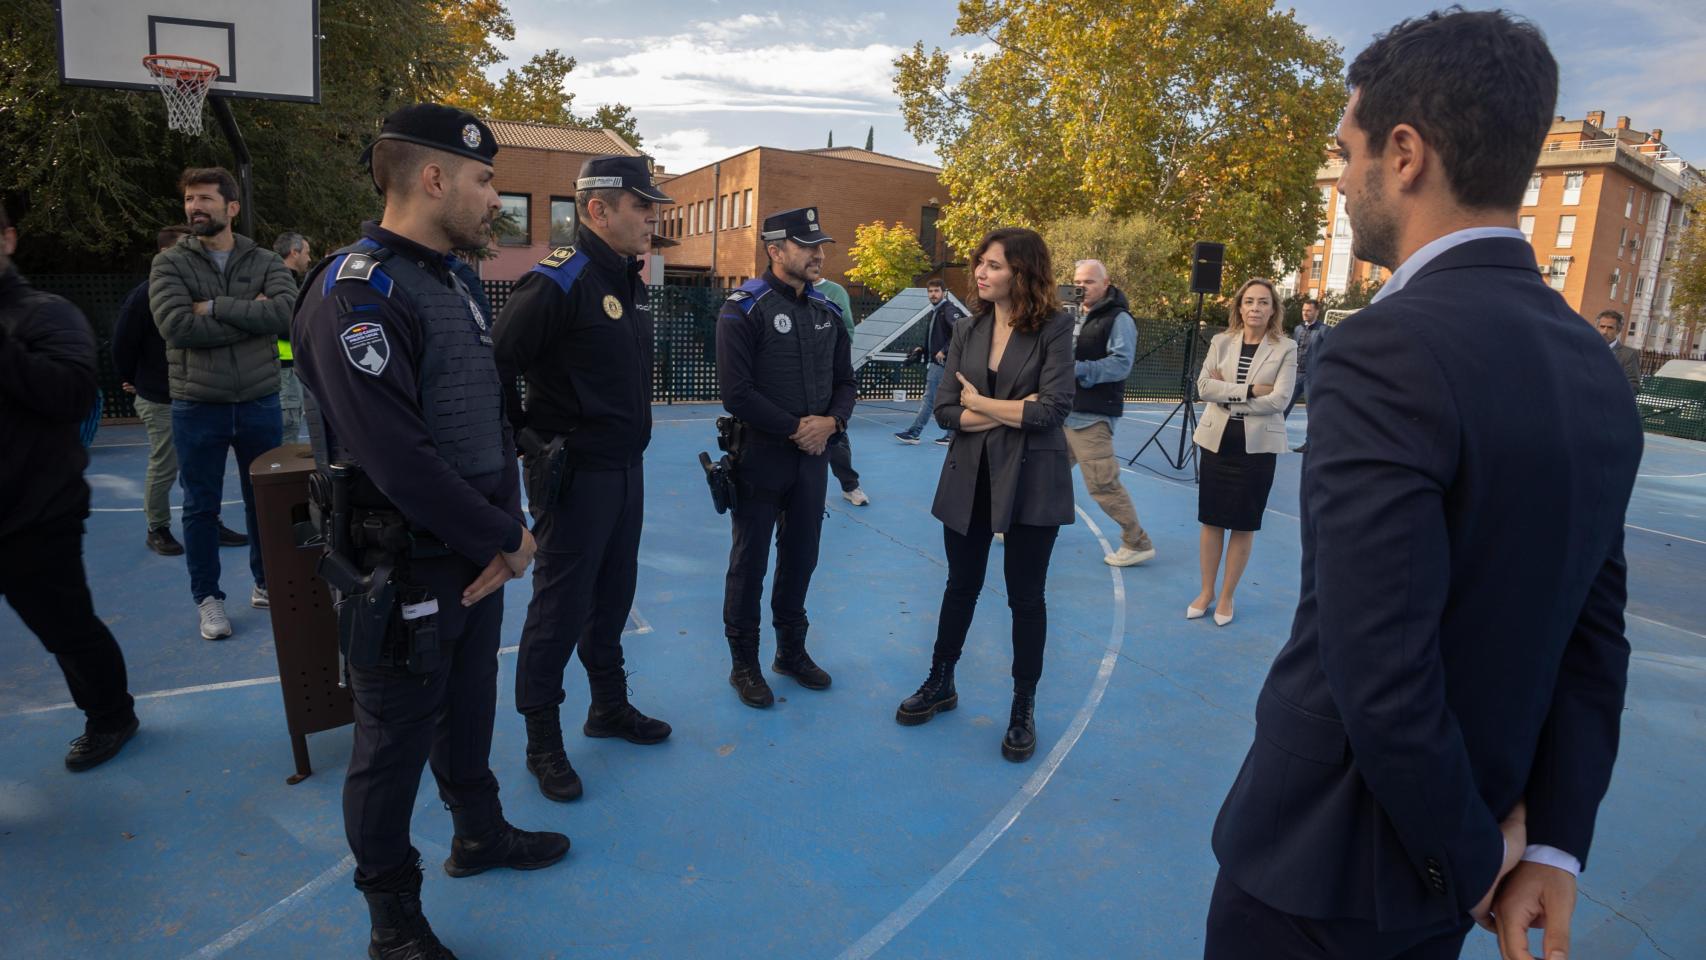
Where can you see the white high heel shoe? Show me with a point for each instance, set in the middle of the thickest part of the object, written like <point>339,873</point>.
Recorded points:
<point>1221,621</point>
<point>1194,613</point>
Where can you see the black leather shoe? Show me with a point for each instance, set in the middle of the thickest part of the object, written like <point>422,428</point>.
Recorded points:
<point>400,930</point>
<point>231,538</point>
<point>546,759</point>
<point>626,722</point>
<point>937,695</point>
<point>1021,739</point>
<point>505,847</point>
<point>746,677</point>
<point>161,541</point>
<point>93,749</point>
<point>792,660</point>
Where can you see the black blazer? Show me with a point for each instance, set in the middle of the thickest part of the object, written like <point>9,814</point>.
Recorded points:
<point>1030,479</point>
<point>1458,643</point>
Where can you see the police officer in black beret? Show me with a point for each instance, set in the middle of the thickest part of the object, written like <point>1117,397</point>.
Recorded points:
<point>785,371</point>
<point>405,406</point>
<point>579,328</point>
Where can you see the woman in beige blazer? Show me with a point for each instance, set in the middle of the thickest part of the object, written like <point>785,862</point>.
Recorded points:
<point>1246,380</point>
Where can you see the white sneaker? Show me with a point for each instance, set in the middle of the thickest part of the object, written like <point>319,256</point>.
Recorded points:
<point>1127,557</point>
<point>258,598</point>
<point>214,624</point>
<point>1001,538</point>
<point>855,496</point>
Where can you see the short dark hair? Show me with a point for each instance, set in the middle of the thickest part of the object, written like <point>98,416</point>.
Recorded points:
<point>169,236</point>
<point>935,283</point>
<point>1479,86</point>
<point>1034,298</point>
<point>287,243</point>
<point>1613,314</point>
<point>195,176</point>
<point>396,163</point>
<point>610,195</point>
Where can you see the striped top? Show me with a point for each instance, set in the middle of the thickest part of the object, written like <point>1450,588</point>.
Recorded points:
<point>1246,355</point>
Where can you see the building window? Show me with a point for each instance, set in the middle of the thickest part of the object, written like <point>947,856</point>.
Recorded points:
<point>748,221</point>
<point>1622,241</point>
<point>1646,202</point>
<point>1636,244</point>
<point>562,221</point>
<point>1629,204</point>
<point>1527,226</point>
<point>1326,211</point>
<point>1640,288</point>
<point>1339,270</point>
<point>1573,188</point>
<point>1532,197</point>
<point>1616,278</point>
<point>1664,300</point>
<point>1558,272</point>
<point>1566,231</point>
<point>512,227</point>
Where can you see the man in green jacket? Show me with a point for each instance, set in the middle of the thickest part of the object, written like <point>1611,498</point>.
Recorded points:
<point>221,303</point>
<point>840,447</point>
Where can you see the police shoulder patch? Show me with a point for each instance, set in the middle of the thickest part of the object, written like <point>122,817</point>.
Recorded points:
<point>366,347</point>
<point>557,257</point>
<point>362,267</point>
<point>740,295</point>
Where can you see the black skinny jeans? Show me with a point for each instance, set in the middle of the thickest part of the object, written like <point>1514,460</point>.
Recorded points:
<point>1025,564</point>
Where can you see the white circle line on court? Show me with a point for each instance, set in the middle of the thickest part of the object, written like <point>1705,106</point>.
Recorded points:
<point>920,901</point>
<point>175,508</point>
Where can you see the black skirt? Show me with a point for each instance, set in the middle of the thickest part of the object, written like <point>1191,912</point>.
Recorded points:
<point>1233,491</point>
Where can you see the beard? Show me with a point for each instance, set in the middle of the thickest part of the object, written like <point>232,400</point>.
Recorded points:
<point>465,230</point>
<point>210,227</point>
<point>1374,231</point>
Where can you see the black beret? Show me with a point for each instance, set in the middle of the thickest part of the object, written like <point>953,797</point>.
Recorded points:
<point>441,128</point>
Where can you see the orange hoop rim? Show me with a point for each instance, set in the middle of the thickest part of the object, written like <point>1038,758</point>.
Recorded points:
<point>173,67</point>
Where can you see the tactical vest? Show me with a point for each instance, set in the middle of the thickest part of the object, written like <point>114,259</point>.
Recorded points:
<point>460,393</point>
<point>1106,399</point>
<point>794,365</point>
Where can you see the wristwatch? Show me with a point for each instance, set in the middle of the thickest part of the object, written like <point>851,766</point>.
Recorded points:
<point>840,425</point>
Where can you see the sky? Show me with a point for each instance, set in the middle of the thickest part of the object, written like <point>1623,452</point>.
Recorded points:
<point>709,78</point>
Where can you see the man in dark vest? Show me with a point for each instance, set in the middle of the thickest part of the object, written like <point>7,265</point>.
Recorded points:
<point>1106,345</point>
<point>785,371</point>
<point>579,327</point>
<point>402,389</point>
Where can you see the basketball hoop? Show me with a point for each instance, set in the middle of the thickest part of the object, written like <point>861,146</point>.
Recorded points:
<point>184,82</point>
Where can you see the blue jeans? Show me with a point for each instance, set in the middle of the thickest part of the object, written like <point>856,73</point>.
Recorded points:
<point>202,432</point>
<point>927,409</point>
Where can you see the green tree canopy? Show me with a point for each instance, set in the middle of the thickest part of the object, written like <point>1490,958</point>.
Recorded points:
<point>886,259</point>
<point>1138,252</point>
<point>1688,269</point>
<point>1208,116</point>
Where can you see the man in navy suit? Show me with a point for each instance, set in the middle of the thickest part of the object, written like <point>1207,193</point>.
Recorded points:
<point>1433,742</point>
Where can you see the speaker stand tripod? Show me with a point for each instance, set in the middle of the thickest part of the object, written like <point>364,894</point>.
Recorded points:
<point>1186,409</point>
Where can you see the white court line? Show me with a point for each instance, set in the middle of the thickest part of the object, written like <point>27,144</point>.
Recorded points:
<point>1669,476</point>
<point>223,503</point>
<point>1667,626</point>
<point>1665,533</point>
<point>894,923</point>
<point>102,446</point>
<point>276,912</point>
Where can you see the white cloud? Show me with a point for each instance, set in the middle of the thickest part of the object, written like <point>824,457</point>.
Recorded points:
<point>682,150</point>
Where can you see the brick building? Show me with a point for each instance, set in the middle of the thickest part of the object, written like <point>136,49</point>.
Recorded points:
<point>534,173</point>
<point>719,208</point>
<point>1601,210</point>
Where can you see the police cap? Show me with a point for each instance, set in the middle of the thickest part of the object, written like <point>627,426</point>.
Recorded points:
<point>799,225</point>
<point>441,128</point>
<point>620,173</point>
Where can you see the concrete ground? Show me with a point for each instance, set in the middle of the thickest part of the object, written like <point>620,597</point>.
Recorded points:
<point>819,828</point>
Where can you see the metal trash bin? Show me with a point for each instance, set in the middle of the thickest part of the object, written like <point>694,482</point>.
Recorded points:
<point>304,626</point>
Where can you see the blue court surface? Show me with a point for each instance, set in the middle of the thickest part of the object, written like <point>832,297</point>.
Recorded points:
<point>819,828</point>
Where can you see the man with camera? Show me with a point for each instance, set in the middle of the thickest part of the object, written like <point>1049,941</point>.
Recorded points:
<point>943,315</point>
<point>1106,345</point>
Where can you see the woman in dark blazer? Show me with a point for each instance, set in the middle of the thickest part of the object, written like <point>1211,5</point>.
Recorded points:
<point>1005,391</point>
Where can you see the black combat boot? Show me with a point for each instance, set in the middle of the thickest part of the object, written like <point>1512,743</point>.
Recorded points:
<point>611,715</point>
<point>505,846</point>
<point>792,660</point>
<point>546,758</point>
<point>400,931</point>
<point>746,677</point>
<point>937,695</point>
<point>1021,739</point>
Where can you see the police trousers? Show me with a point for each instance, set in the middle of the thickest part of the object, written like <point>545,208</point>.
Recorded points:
<point>781,493</point>
<point>583,581</point>
<point>404,721</point>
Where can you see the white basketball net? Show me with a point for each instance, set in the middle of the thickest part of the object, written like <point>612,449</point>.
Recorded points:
<point>184,83</point>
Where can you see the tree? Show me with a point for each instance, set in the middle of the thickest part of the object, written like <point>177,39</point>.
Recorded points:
<point>886,259</point>
<point>1137,251</point>
<point>871,139</point>
<point>1688,269</point>
<point>1209,116</point>
<point>620,120</point>
<point>535,93</point>
<point>831,144</point>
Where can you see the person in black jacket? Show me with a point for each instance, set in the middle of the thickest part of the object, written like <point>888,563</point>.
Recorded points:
<point>785,372</point>
<point>47,385</point>
<point>579,327</point>
<point>1006,392</point>
<point>943,315</point>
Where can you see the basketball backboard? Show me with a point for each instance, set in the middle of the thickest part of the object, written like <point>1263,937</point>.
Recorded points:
<point>265,49</point>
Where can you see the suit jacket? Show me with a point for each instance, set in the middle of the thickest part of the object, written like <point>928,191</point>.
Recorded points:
<point>1458,643</point>
<point>1275,363</point>
<point>1030,479</point>
<point>1629,359</point>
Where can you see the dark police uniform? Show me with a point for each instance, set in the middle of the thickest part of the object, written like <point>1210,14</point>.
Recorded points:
<point>781,356</point>
<point>400,380</point>
<point>579,327</point>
